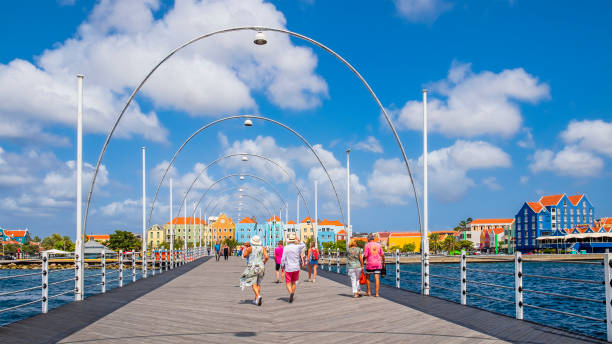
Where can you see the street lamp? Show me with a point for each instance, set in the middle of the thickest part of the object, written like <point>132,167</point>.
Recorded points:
<point>248,123</point>
<point>244,158</point>
<point>260,38</point>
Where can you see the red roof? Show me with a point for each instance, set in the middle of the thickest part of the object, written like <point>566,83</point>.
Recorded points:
<point>273,218</point>
<point>327,222</point>
<point>17,233</point>
<point>10,242</point>
<point>575,199</point>
<point>190,221</point>
<point>491,221</point>
<point>384,234</point>
<point>291,222</point>
<point>444,232</point>
<point>98,236</point>
<point>247,220</point>
<point>341,232</point>
<point>401,234</point>
<point>536,206</point>
<point>307,219</point>
<point>551,200</point>
<point>498,230</point>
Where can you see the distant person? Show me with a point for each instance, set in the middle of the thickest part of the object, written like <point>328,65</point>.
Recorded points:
<point>254,273</point>
<point>313,262</point>
<point>374,259</point>
<point>291,261</point>
<point>354,264</point>
<point>208,250</point>
<point>225,252</point>
<point>278,255</point>
<point>246,245</point>
<point>217,251</point>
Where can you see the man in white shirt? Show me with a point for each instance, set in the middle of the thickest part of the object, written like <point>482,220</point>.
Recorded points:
<point>292,259</point>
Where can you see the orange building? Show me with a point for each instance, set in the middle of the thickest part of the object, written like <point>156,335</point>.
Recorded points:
<point>98,237</point>
<point>223,228</point>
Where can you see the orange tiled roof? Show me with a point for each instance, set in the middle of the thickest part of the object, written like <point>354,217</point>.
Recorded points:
<point>400,234</point>
<point>550,200</point>
<point>575,199</point>
<point>190,221</point>
<point>341,232</point>
<point>384,234</point>
<point>247,220</point>
<point>15,232</point>
<point>491,221</point>
<point>307,219</point>
<point>498,230</point>
<point>291,222</point>
<point>444,232</point>
<point>10,242</point>
<point>98,236</point>
<point>327,222</point>
<point>536,206</point>
<point>273,218</point>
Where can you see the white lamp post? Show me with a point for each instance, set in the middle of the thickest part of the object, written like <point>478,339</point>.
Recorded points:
<point>425,239</point>
<point>78,248</point>
<point>144,215</point>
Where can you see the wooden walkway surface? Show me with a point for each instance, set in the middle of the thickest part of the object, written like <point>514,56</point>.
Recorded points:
<point>203,303</point>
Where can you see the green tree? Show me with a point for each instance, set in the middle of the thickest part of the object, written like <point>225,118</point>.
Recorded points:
<point>449,243</point>
<point>36,238</point>
<point>124,240</point>
<point>49,242</point>
<point>340,245</point>
<point>29,249</point>
<point>361,244</point>
<point>10,248</point>
<point>434,242</point>
<point>409,247</point>
<point>466,245</point>
<point>393,248</point>
<point>231,243</point>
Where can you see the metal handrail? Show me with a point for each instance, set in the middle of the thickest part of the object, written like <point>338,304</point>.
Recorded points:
<point>565,279</point>
<point>22,275</point>
<point>410,281</point>
<point>20,290</point>
<point>492,272</point>
<point>21,305</point>
<point>490,284</point>
<point>444,277</point>
<point>60,294</point>
<point>60,282</point>
<point>490,298</point>
<point>565,296</point>
<point>565,313</point>
<point>439,287</point>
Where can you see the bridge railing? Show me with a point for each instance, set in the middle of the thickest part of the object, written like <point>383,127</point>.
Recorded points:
<point>507,283</point>
<point>51,278</point>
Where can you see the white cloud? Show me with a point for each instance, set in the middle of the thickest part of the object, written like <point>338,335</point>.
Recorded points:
<point>121,40</point>
<point>422,10</point>
<point>476,104</point>
<point>371,144</point>
<point>524,180</point>
<point>127,207</point>
<point>594,135</point>
<point>491,183</point>
<point>448,168</point>
<point>571,161</point>
<point>527,141</point>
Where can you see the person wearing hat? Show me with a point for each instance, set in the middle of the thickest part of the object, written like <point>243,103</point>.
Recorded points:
<point>257,256</point>
<point>291,261</point>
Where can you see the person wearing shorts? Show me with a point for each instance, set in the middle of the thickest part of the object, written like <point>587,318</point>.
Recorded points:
<point>374,259</point>
<point>313,263</point>
<point>291,261</point>
<point>278,255</point>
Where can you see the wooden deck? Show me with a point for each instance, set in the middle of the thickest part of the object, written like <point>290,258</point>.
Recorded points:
<point>202,303</point>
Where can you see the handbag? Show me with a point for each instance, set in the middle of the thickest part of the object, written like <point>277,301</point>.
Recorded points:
<point>383,271</point>
<point>362,278</point>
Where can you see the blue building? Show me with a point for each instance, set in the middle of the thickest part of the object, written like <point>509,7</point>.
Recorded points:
<point>273,232</point>
<point>554,215</point>
<point>21,236</point>
<point>246,229</point>
<point>327,231</point>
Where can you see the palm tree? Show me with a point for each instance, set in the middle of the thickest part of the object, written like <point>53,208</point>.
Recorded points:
<point>450,243</point>
<point>434,242</point>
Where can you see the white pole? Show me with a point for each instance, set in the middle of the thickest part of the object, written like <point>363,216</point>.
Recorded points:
<point>425,239</point>
<point>185,228</point>
<point>348,200</point>
<point>200,234</point>
<point>144,221</point>
<point>78,248</point>
<point>297,215</point>
<point>171,230</point>
<point>316,221</point>
<point>194,226</point>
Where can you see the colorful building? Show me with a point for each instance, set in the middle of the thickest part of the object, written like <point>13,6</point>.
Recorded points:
<point>399,239</point>
<point>190,229</point>
<point>475,228</point>
<point>273,232</point>
<point>306,229</point>
<point>551,216</point>
<point>101,238</point>
<point>223,228</point>
<point>246,229</point>
<point>16,236</point>
<point>327,231</point>
<point>291,228</point>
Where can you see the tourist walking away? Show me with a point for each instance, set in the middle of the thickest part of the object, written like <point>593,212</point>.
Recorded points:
<point>246,246</point>
<point>254,273</point>
<point>313,262</point>
<point>225,252</point>
<point>374,260</point>
<point>278,255</point>
<point>217,251</point>
<point>208,250</point>
<point>354,264</point>
<point>291,261</point>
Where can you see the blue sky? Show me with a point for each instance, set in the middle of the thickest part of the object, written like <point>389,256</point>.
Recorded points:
<point>519,106</point>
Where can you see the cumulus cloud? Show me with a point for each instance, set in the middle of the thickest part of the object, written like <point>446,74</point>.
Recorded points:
<point>121,41</point>
<point>594,135</point>
<point>420,11</point>
<point>371,144</point>
<point>448,169</point>
<point>475,104</point>
<point>572,161</point>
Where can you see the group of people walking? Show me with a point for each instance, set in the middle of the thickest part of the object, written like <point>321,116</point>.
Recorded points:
<point>221,250</point>
<point>361,264</point>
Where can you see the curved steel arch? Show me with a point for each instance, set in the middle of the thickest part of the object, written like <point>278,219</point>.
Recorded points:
<point>254,28</point>
<point>229,156</point>
<point>270,213</point>
<point>224,191</point>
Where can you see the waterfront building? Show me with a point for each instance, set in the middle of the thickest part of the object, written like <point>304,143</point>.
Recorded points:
<point>223,228</point>
<point>551,216</point>
<point>291,228</point>
<point>246,229</point>
<point>399,239</point>
<point>184,228</point>
<point>16,236</point>
<point>328,230</point>
<point>157,235</point>
<point>101,238</point>
<point>306,229</point>
<point>474,229</point>
<point>491,240</point>
<point>273,232</point>
<point>341,235</point>
<point>383,239</point>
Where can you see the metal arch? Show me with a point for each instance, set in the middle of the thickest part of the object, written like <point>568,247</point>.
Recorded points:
<point>254,28</point>
<point>270,213</point>
<point>248,117</point>
<point>229,156</point>
<point>224,192</point>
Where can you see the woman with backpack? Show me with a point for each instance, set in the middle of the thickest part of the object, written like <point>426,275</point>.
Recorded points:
<point>313,262</point>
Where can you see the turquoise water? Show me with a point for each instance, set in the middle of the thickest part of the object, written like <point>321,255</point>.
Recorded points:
<point>411,274</point>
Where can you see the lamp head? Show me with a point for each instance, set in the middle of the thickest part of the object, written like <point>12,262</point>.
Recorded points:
<point>260,38</point>
<point>244,158</point>
<point>248,123</point>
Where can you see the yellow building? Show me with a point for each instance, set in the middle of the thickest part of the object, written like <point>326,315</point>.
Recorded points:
<point>156,236</point>
<point>223,228</point>
<point>399,239</point>
<point>190,229</point>
<point>306,229</point>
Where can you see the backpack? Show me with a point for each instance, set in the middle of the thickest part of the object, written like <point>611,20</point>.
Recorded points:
<point>315,254</point>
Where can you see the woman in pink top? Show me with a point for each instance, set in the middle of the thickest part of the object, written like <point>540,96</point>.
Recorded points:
<point>375,258</point>
<point>278,255</point>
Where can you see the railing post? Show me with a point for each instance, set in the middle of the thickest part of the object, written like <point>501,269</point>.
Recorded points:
<point>120,268</point>
<point>103,272</point>
<point>425,274</point>
<point>169,266</point>
<point>518,284</point>
<point>153,263</point>
<point>337,260</point>
<point>133,266</point>
<point>143,260</point>
<point>463,277</point>
<point>608,286</point>
<point>328,260</point>
<point>397,269</point>
<point>45,282</point>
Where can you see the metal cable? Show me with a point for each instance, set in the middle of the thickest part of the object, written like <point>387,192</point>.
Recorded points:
<point>444,277</point>
<point>410,281</point>
<point>566,279</point>
<point>22,275</point>
<point>565,296</point>
<point>565,313</point>
<point>20,290</point>
<point>489,284</point>
<point>491,272</point>
<point>446,267</point>
<point>60,282</point>
<point>60,294</point>
<point>21,305</point>
<point>439,287</point>
<point>490,298</point>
